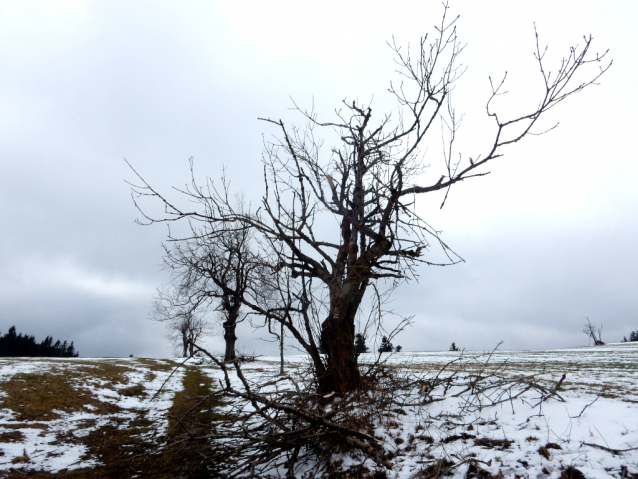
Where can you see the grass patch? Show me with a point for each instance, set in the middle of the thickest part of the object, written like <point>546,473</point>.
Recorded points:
<point>192,416</point>
<point>18,459</point>
<point>111,373</point>
<point>132,448</point>
<point>137,390</point>
<point>499,444</point>
<point>11,436</point>
<point>41,397</point>
<point>30,425</point>
<point>155,365</point>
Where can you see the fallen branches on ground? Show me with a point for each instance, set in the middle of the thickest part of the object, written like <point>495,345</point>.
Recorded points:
<point>609,449</point>
<point>281,424</point>
<point>283,427</point>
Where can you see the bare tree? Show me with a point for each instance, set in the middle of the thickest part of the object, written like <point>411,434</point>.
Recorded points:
<point>593,333</point>
<point>280,336</point>
<point>214,267</point>
<point>368,181</point>
<point>186,327</point>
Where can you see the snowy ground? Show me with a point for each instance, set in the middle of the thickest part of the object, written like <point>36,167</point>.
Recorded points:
<point>607,375</point>
<point>594,430</point>
<point>42,436</point>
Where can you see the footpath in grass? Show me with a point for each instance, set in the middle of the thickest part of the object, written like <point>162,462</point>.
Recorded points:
<point>99,419</point>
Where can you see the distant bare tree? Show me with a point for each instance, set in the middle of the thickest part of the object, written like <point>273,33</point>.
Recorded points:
<point>593,333</point>
<point>280,335</point>
<point>214,267</point>
<point>186,327</point>
<point>343,221</point>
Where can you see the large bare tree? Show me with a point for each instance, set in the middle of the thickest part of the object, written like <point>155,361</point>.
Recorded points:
<point>344,217</point>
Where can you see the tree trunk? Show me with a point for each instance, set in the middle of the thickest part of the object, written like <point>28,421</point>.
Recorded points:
<point>337,341</point>
<point>281,351</point>
<point>185,344</point>
<point>229,336</point>
<point>343,373</point>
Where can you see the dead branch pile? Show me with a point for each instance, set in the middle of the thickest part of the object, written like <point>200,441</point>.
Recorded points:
<point>283,427</point>
<point>479,384</point>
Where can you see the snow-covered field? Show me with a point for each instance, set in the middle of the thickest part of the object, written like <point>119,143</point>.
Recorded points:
<point>600,409</point>
<point>48,406</point>
<point>595,428</point>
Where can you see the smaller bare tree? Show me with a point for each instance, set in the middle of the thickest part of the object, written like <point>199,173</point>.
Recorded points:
<point>214,267</point>
<point>272,329</point>
<point>185,326</point>
<point>593,333</point>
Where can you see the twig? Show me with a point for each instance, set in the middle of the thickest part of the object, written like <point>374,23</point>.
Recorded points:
<point>586,406</point>
<point>557,387</point>
<point>370,451</point>
<point>609,449</point>
<point>169,376</point>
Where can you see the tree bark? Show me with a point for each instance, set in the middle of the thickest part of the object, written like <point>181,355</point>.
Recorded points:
<point>281,352</point>
<point>337,341</point>
<point>229,335</point>
<point>185,343</point>
<point>230,338</point>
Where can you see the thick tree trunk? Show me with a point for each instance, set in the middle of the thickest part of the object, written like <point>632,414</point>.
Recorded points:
<point>229,336</point>
<point>337,341</point>
<point>185,344</point>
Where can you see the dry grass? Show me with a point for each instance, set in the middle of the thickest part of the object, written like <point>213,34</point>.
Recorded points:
<point>109,372</point>
<point>11,436</point>
<point>137,390</point>
<point>163,365</point>
<point>609,378</point>
<point>41,397</point>
<point>192,416</point>
<point>124,447</point>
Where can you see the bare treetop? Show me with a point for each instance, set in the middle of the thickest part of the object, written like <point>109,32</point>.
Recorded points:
<point>369,180</point>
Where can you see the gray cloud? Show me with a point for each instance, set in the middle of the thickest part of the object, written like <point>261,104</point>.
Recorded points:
<point>548,239</point>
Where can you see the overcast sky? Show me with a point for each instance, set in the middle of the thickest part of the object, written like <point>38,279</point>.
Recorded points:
<point>549,238</point>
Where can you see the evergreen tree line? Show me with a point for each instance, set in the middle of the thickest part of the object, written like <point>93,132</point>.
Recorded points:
<point>17,345</point>
<point>633,336</point>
